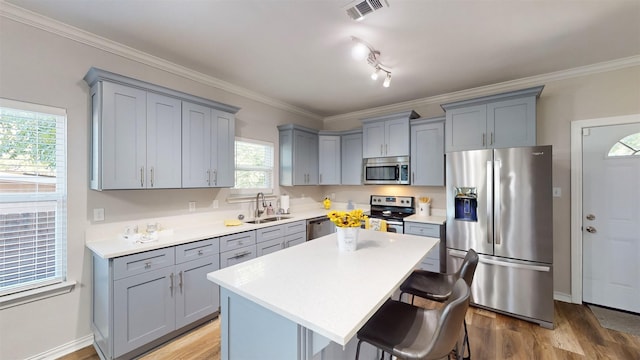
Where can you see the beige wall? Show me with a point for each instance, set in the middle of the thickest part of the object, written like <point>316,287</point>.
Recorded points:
<point>37,66</point>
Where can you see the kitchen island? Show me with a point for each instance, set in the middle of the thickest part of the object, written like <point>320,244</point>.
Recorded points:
<point>309,301</point>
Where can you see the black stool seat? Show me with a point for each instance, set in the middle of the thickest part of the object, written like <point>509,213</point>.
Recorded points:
<point>411,332</point>
<point>429,285</point>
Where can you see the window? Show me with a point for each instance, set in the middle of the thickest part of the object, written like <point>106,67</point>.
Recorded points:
<point>254,166</point>
<point>33,196</point>
<point>627,146</point>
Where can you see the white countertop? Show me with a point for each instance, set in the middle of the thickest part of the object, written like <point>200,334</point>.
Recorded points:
<point>116,245</point>
<point>432,219</point>
<point>329,292</point>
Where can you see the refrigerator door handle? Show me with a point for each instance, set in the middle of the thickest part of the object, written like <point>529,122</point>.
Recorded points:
<point>497,225</point>
<point>489,201</point>
<point>516,265</point>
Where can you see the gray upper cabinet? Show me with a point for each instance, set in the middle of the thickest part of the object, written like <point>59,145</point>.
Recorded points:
<point>387,135</point>
<point>298,155</point>
<point>137,135</point>
<point>136,138</point>
<point>329,159</point>
<point>207,147</point>
<point>496,121</point>
<point>427,152</point>
<point>351,158</point>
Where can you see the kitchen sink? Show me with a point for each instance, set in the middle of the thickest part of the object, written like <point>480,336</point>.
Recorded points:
<point>268,220</point>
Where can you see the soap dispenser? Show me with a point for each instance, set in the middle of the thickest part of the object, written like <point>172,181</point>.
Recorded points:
<point>270,210</point>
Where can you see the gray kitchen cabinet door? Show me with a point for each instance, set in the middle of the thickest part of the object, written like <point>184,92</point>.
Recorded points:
<point>196,297</point>
<point>144,309</point>
<point>120,137</point>
<point>466,128</point>
<point>164,142</point>
<point>225,133</point>
<point>427,154</point>
<point>397,137</point>
<point>512,123</point>
<point>305,158</point>
<point>329,159</point>
<point>208,138</point>
<point>373,139</point>
<point>351,159</point>
<point>196,145</point>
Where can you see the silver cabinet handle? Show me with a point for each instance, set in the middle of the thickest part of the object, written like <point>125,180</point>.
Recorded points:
<point>215,177</point>
<point>413,177</point>
<point>491,143</point>
<point>200,252</point>
<point>142,176</point>
<point>171,285</point>
<point>386,149</point>
<point>209,177</point>
<point>147,265</point>
<point>483,136</point>
<point>321,178</point>
<point>241,255</point>
<point>152,177</point>
<point>180,281</point>
<point>381,149</point>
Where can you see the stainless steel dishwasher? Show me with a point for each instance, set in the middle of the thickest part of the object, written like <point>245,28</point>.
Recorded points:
<point>319,226</point>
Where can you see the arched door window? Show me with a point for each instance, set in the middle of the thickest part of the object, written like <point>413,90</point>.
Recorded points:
<point>627,146</point>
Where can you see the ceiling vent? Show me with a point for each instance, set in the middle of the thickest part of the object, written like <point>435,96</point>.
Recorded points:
<point>359,8</point>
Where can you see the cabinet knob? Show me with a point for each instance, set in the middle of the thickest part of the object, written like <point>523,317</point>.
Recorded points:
<point>200,252</point>
<point>147,265</point>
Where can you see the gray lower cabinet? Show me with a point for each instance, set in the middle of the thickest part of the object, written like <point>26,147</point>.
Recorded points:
<point>144,299</point>
<point>274,238</point>
<point>236,248</point>
<point>436,259</point>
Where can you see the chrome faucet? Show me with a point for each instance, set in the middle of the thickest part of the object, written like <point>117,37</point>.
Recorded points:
<point>264,205</point>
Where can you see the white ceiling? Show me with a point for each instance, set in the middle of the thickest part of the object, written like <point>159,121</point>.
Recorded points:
<point>298,51</point>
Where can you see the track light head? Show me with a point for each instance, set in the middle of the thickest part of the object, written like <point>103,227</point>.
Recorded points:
<point>387,80</point>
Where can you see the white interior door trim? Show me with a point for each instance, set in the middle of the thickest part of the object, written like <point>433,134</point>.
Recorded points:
<point>576,194</point>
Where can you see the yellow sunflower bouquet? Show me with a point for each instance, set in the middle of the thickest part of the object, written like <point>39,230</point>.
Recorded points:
<point>343,219</point>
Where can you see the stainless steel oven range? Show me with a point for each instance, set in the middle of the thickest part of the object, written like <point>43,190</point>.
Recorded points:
<point>393,209</point>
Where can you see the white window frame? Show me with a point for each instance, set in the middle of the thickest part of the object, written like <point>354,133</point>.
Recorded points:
<point>56,284</point>
<point>248,193</point>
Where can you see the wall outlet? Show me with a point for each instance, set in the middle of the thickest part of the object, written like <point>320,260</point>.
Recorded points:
<point>192,206</point>
<point>98,214</point>
<point>557,192</point>
<point>333,196</point>
<point>215,204</point>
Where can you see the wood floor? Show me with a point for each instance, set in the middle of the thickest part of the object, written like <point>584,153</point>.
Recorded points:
<point>577,335</point>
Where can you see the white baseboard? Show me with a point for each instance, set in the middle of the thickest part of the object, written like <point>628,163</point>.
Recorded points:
<point>64,349</point>
<point>562,297</point>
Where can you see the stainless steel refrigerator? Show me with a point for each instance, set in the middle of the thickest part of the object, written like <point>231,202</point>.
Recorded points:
<point>499,203</point>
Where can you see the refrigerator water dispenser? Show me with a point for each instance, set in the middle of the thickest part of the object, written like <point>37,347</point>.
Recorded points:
<point>466,204</point>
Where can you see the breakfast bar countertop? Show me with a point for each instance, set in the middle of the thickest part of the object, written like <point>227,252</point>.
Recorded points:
<point>329,292</point>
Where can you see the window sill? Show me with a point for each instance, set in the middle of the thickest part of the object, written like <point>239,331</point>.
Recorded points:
<point>28,296</point>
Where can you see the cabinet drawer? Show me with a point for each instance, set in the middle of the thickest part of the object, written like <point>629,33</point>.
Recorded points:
<point>197,249</point>
<point>267,247</point>
<point>421,229</point>
<point>142,262</point>
<point>237,256</point>
<point>294,239</point>
<point>430,265</point>
<point>236,241</point>
<point>270,233</point>
<point>295,227</point>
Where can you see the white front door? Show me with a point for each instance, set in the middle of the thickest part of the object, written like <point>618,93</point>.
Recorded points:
<point>611,219</point>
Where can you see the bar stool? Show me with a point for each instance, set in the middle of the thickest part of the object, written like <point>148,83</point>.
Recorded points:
<point>411,332</point>
<point>437,286</point>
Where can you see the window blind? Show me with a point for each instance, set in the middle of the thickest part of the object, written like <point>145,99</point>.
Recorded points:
<point>253,164</point>
<point>33,196</point>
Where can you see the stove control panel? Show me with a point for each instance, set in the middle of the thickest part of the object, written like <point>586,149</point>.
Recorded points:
<point>398,201</point>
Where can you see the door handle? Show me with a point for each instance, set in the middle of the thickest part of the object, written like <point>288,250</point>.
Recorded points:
<point>142,176</point>
<point>152,177</point>
<point>180,281</point>
<point>591,217</point>
<point>171,285</point>
<point>591,229</point>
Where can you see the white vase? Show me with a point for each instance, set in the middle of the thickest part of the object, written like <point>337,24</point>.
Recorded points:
<point>347,238</point>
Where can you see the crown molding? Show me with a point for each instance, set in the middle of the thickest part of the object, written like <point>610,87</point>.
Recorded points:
<point>492,89</point>
<point>30,18</point>
<point>36,20</point>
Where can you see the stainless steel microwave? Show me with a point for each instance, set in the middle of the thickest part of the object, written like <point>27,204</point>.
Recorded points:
<point>388,170</point>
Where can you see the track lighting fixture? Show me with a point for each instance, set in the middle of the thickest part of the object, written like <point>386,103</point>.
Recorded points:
<point>361,51</point>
